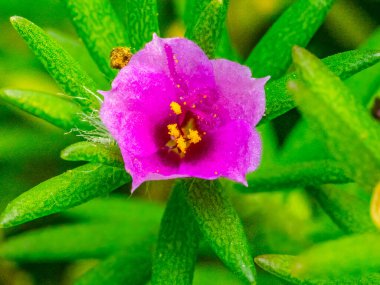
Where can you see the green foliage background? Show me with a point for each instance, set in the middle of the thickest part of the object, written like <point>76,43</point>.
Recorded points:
<point>115,234</point>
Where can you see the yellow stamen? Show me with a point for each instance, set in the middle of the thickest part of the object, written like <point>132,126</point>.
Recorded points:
<point>176,108</point>
<point>183,136</point>
<point>193,136</point>
<point>181,144</point>
<point>173,130</point>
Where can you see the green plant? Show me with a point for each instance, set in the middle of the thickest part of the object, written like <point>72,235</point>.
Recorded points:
<point>199,219</point>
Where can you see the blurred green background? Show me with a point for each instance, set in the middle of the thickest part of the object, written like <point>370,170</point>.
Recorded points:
<point>29,147</point>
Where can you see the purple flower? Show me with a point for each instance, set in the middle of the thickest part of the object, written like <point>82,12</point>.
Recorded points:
<point>175,113</point>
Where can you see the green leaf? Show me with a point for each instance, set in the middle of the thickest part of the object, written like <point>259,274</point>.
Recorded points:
<point>93,152</point>
<point>97,24</point>
<point>361,84</point>
<point>303,144</point>
<point>344,65</point>
<point>71,242</point>
<point>207,30</point>
<point>347,206</point>
<point>216,272</point>
<point>118,209</point>
<point>121,268</point>
<point>62,192</point>
<point>294,175</point>
<point>365,83</point>
<point>296,26</point>
<point>353,255</point>
<point>74,46</point>
<point>281,266</point>
<point>193,9</point>
<point>60,65</point>
<point>52,108</point>
<point>178,241</point>
<point>225,48</point>
<point>141,21</point>
<point>348,127</point>
<point>221,226</point>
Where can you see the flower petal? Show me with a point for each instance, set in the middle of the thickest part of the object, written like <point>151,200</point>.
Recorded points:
<point>190,68</point>
<point>149,93</point>
<point>132,110</point>
<point>236,150</point>
<point>242,95</point>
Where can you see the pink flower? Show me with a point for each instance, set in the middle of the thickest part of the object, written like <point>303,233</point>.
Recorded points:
<point>175,113</point>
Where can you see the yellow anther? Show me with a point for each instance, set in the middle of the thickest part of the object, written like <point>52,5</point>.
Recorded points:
<point>193,136</point>
<point>176,108</point>
<point>173,130</point>
<point>181,144</point>
<point>204,96</point>
<point>120,57</point>
<point>182,136</point>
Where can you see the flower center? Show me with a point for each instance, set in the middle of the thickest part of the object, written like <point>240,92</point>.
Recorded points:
<point>184,135</point>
